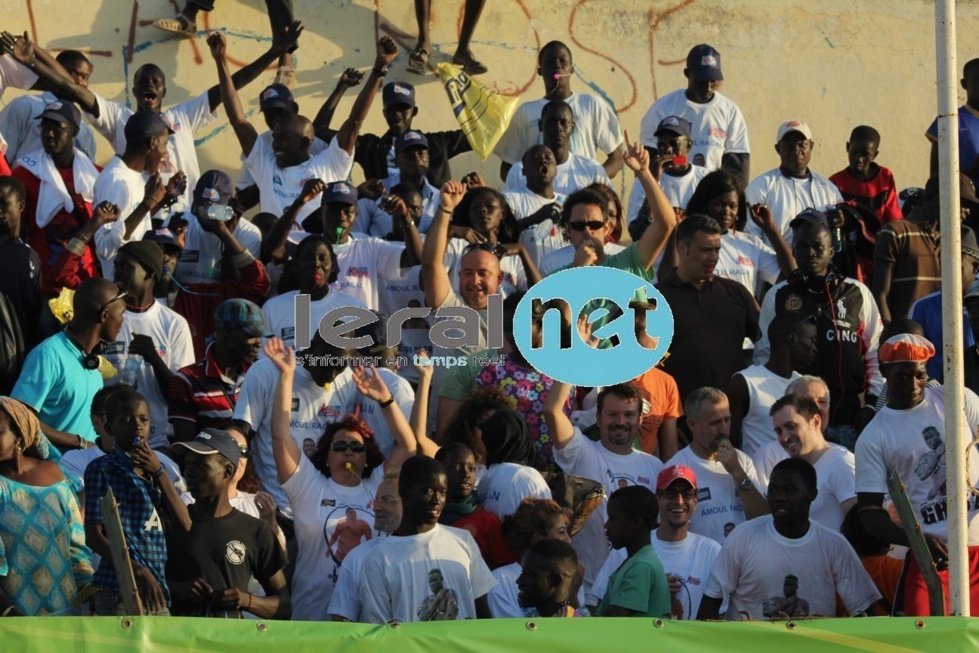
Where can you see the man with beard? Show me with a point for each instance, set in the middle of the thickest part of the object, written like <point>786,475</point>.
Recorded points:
<point>848,325</point>
<point>213,562</point>
<point>204,394</point>
<point>727,481</point>
<point>611,460</point>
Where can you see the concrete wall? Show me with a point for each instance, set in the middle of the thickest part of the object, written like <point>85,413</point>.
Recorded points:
<point>832,63</point>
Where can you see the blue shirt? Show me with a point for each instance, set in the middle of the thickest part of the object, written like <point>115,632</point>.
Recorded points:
<point>139,500</point>
<point>927,312</point>
<point>968,138</point>
<point>56,385</point>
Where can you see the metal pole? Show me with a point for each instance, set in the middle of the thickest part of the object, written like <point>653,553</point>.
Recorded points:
<point>956,439</point>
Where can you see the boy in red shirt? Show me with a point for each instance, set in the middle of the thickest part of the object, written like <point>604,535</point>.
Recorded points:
<point>865,182</point>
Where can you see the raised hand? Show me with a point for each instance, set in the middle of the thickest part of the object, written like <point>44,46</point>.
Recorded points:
<point>636,156</point>
<point>281,356</point>
<point>18,47</point>
<point>288,39</point>
<point>145,458</point>
<point>154,191</point>
<point>451,194</point>
<point>423,365</point>
<point>370,384</point>
<point>351,77</point>
<point>311,189</point>
<point>761,215</point>
<point>105,213</point>
<point>387,50</point>
<point>176,187</point>
<point>396,208</point>
<point>473,180</point>
<point>587,253</point>
<point>371,189</point>
<point>218,45</point>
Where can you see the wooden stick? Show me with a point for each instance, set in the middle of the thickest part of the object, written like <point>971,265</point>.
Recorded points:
<point>120,555</point>
<point>916,540</point>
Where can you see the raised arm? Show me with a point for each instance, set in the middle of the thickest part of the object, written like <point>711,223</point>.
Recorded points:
<point>244,131</point>
<point>52,76</point>
<point>282,42</point>
<point>419,411</point>
<point>350,129</point>
<point>321,123</point>
<point>558,424</point>
<point>433,274</point>
<point>372,386</point>
<point>395,207</point>
<point>614,162</point>
<point>660,210</point>
<point>285,451</point>
<point>761,215</point>
<point>274,244</point>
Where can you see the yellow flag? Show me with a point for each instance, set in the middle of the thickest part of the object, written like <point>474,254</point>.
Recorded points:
<point>482,114</point>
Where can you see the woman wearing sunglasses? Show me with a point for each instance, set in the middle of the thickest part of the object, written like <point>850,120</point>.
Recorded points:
<point>331,494</point>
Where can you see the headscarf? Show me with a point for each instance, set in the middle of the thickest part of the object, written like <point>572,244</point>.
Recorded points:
<point>507,439</point>
<point>27,428</point>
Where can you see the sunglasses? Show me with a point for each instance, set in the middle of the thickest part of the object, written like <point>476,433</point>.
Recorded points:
<point>594,225</point>
<point>122,295</point>
<point>243,452</point>
<point>340,446</point>
<point>671,495</point>
<point>484,247</point>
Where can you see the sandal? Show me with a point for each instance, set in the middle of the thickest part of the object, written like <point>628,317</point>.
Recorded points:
<point>470,65</point>
<point>418,61</point>
<point>179,25</point>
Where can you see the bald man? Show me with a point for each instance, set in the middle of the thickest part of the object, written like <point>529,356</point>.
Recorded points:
<point>281,169</point>
<point>61,375</point>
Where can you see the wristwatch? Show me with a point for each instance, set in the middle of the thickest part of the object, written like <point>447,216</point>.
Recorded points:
<point>746,484</point>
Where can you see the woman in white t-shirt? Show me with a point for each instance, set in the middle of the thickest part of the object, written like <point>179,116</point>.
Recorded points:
<point>332,493</point>
<point>744,258</point>
<point>483,218</point>
<point>509,478</point>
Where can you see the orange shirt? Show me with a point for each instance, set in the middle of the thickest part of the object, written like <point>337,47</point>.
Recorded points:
<point>659,390</point>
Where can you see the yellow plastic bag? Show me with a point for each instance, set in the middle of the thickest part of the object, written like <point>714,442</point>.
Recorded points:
<point>62,306</point>
<point>482,114</point>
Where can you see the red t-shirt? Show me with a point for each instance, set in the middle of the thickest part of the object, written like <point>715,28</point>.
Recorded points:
<point>486,529</point>
<point>51,240</point>
<point>878,194</point>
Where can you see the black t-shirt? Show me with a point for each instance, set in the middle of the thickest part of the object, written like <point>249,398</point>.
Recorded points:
<point>20,281</point>
<point>224,551</point>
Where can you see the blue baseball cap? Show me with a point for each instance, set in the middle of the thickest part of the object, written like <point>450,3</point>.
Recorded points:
<point>163,236</point>
<point>410,138</point>
<point>62,112</point>
<point>339,192</point>
<point>144,125</point>
<point>241,314</point>
<point>276,96</point>
<point>398,93</point>
<point>674,124</point>
<point>704,64</point>
<point>211,441</point>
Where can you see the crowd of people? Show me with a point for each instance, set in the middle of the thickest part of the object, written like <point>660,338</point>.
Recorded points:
<point>271,463</point>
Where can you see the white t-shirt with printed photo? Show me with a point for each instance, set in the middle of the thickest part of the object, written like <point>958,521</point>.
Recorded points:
<point>312,409</point>
<point>574,174</point>
<point>245,178</point>
<point>678,190</point>
<point>835,480</point>
<point>395,580</point>
<point>596,128</point>
<point>748,260</point>
<point>719,505</point>
<point>395,294</point>
<point>589,459</point>
<point>544,238</point>
<point>185,119</point>
<point>345,601</point>
<point>505,485</point>
<point>752,566</point>
<point>120,185</point>
<point>280,313</point>
<point>319,509</point>
<point>364,262</point>
<point>912,443</point>
<point>171,336</point>
<point>692,559</point>
<point>717,127</point>
<point>279,187</point>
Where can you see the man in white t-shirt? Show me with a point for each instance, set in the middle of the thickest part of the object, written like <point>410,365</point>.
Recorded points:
<point>908,437</point>
<point>597,126</point>
<point>668,160</point>
<point>574,171</point>
<point>537,207</point>
<point>792,187</point>
<point>798,425</point>
<point>123,183</point>
<point>424,571</point>
<point>786,566</point>
<point>728,491</point>
<point>282,168</point>
<point>611,461</point>
<point>687,557</point>
<point>155,336</point>
<point>718,135</point>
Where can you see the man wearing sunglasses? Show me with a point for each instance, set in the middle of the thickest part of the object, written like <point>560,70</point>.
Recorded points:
<point>61,375</point>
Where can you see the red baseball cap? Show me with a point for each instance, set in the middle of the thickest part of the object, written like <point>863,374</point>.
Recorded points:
<point>675,473</point>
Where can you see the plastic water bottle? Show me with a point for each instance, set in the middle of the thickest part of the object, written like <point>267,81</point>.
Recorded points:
<point>128,374</point>
<point>220,212</point>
